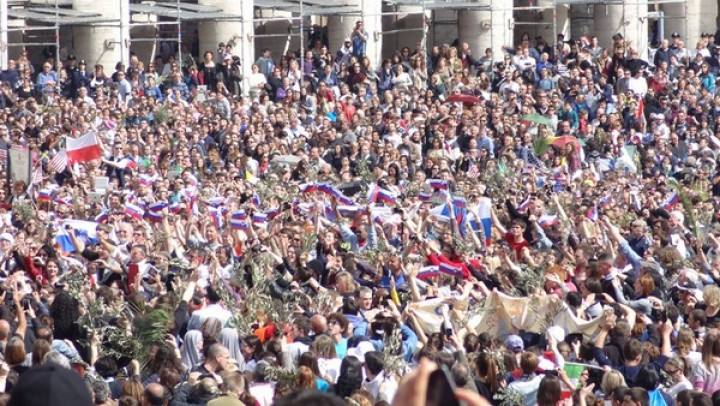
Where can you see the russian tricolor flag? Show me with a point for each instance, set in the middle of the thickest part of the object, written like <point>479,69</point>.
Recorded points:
<point>428,272</point>
<point>102,217</point>
<point>85,231</point>
<point>350,210</point>
<point>450,269</point>
<point>671,201</point>
<point>459,202</point>
<point>308,188</point>
<point>259,218</point>
<point>155,216</point>
<point>192,180</point>
<point>424,197</point>
<point>159,206</point>
<point>605,201</point>
<point>215,202</point>
<point>217,217</point>
<point>438,184</point>
<point>386,196</point>
<point>175,208</point>
<point>134,211</point>
<point>272,213</point>
<point>525,204</point>
<point>146,180</point>
<point>593,214</point>
<point>44,195</point>
<point>548,220</point>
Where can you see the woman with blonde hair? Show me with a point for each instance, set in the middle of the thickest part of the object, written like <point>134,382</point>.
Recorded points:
<point>711,296</point>
<point>610,381</point>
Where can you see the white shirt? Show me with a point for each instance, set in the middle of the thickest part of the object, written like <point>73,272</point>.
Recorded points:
<point>213,310</point>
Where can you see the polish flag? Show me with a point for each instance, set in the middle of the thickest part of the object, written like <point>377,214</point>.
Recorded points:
<point>83,149</point>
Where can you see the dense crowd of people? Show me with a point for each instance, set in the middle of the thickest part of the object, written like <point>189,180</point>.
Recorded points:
<point>541,225</point>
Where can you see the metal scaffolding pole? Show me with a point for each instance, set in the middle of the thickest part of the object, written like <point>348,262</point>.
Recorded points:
<point>179,35</point>
<point>57,33</point>
<point>302,33</point>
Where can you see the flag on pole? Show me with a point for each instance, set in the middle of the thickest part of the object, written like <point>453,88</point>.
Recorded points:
<point>59,162</point>
<point>83,149</point>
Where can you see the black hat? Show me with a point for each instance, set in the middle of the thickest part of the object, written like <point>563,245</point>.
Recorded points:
<point>675,35</point>
<point>50,385</point>
<point>71,57</point>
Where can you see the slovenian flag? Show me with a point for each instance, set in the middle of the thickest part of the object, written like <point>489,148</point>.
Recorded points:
<point>239,215</point>
<point>548,220</point>
<point>134,211</point>
<point>671,201</point>
<point>237,224</point>
<point>67,200</point>
<point>428,272</point>
<point>158,207</point>
<point>256,200</point>
<point>451,270</point>
<point>438,184</point>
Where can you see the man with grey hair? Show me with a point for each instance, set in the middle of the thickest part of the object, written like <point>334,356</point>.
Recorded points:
<point>56,358</point>
<point>101,392</point>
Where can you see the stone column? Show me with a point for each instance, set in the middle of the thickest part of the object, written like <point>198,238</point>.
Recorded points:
<point>276,44</point>
<point>341,26</point>
<point>407,17</point>
<point>373,21</point>
<point>630,21</point>
<point>144,49</point>
<point>104,44</point>
<point>700,18</point>
<point>547,30</point>
<point>211,33</point>
<point>487,28</point>
<point>582,22</point>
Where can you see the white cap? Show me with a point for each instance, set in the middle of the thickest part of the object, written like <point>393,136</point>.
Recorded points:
<point>359,352</point>
<point>7,237</point>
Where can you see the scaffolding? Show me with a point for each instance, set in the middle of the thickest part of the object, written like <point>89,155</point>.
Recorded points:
<point>50,15</point>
